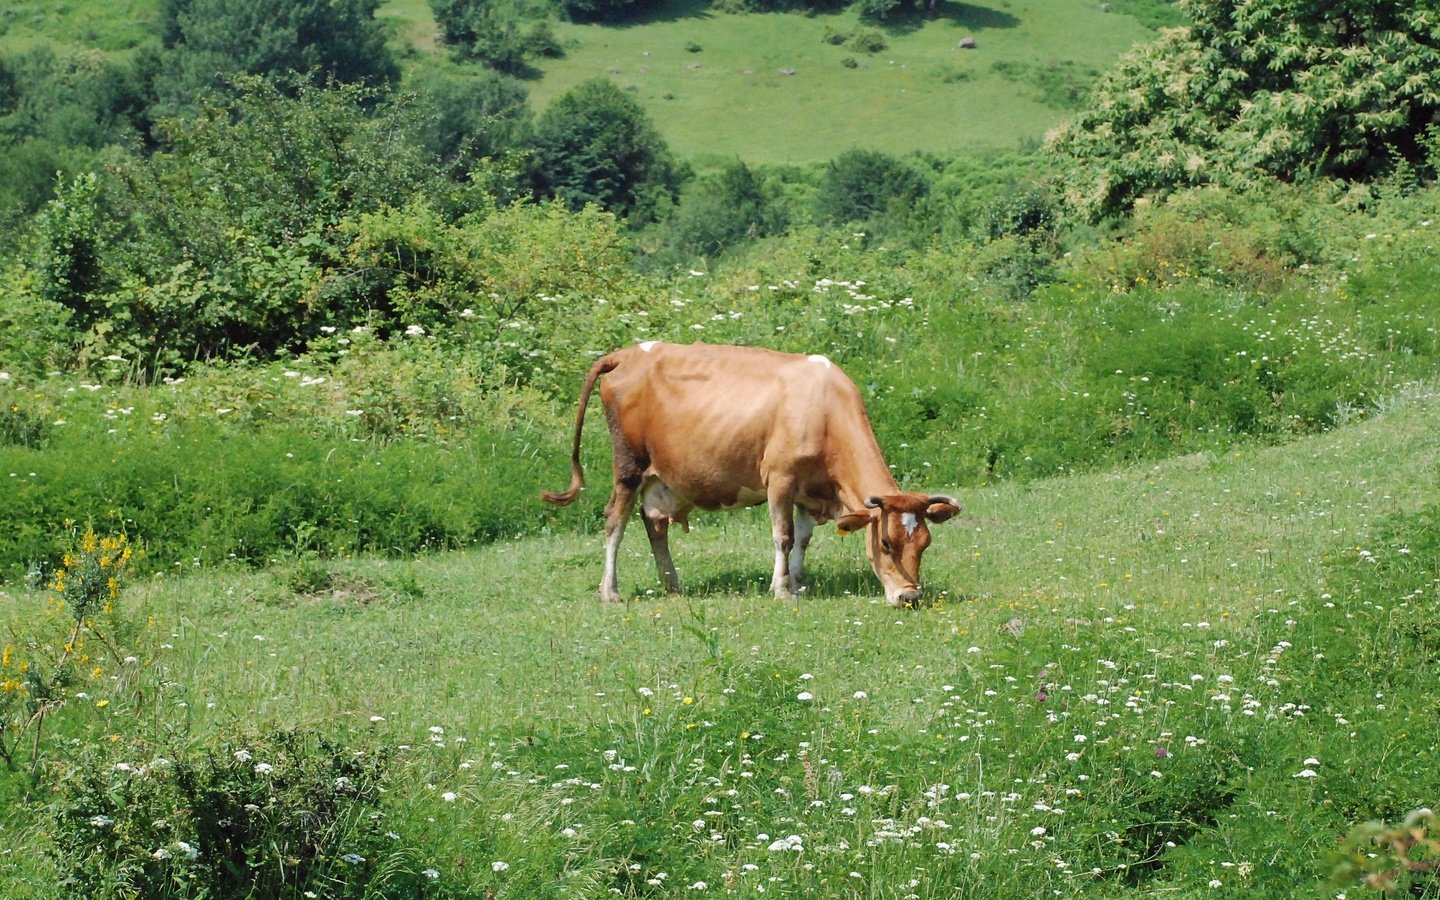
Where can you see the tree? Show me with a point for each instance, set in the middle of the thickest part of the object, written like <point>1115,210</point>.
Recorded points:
<point>58,113</point>
<point>723,210</point>
<point>595,144</point>
<point>230,237</point>
<point>1288,89</point>
<point>607,10</point>
<point>495,33</point>
<point>472,117</point>
<point>859,185</point>
<point>211,41</point>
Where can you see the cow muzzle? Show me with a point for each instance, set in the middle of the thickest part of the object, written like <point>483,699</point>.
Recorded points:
<point>906,597</point>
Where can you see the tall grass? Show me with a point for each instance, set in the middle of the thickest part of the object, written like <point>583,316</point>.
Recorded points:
<point>433,443</point>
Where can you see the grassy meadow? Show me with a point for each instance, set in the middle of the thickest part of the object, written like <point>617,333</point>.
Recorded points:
<point>691,67</point>
<point>299,626</point>
<point>1182,640</point>
<point>1180,678</point>
<point>110,27</point>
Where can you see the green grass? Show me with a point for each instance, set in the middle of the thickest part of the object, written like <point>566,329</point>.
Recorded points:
<point>112,27</point>
<point>1213,619</point>
<point>921,93</point>
<point>730,100</point>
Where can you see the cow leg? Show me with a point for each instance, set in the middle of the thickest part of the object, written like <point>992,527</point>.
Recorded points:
<point>617,514</point>
<point>782,527</point>
<point>657,527</point>
<point>804,527</point>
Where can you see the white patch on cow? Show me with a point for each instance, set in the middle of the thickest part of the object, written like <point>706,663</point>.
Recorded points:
<point>647,346</point>
<point>817,358</point>
<point>910,522</point>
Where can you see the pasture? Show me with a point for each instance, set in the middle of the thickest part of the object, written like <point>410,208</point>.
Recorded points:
<point>691,66</point>
<point>1174,678</point>
<point>792,98</point>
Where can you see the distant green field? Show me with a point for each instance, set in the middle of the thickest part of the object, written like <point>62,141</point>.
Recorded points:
<point>766,88</point>
<point>111,26</point>
<point>731,98</point>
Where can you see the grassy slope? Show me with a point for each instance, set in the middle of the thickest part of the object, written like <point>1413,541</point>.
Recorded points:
<point>920,93</point>
<point>516,632</point>
<point>1088,577</point>
<point>111,26</point>
<point>730,100</point>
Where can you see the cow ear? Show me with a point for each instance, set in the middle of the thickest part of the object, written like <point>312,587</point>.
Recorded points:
<point>942,508</point>
<point>855,521</point>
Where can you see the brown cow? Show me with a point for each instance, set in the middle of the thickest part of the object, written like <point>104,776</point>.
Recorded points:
<point>726,427</point>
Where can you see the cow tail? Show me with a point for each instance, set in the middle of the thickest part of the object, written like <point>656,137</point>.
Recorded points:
<point>577,474</point>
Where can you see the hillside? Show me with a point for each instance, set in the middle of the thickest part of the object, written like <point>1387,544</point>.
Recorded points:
<point>770,89</point>
<point>1151,653</point>
<point>713,82</point>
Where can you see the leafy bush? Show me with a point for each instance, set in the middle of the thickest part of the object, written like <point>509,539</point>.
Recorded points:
<point>721,211</point>
<point>1214,236</point>
<point>220,244</point>
<point>505,37</point>
<point>859,185</point>
<point>1236,99</point>
<point>209,42</point>
<point>69,266</point>
<point>472,117</point>
<point>595,144</point>
<point>867,40</point>
<point>1393,859</point>
<point>268,816</point>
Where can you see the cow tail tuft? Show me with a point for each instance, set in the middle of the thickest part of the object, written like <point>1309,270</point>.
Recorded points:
<point>577,474</point>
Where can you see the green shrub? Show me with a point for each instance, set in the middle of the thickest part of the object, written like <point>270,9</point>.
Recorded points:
<point>1211,235</point>
<point>596,144</point>
<point>721,211</point>
<point>22,427</point>
<point>859,185</point>
<point>867,40</point>
<point>1393,859</point>
<point>264,816</point>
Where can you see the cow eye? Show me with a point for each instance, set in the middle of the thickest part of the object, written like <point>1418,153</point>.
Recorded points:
<point>885,544</point>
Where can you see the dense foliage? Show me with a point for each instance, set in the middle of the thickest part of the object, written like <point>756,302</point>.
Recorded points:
<point>595,144</point>
<point>225,238</point>
<point>1289,89</point>
<point>211,41</point>
<point>503,36</point>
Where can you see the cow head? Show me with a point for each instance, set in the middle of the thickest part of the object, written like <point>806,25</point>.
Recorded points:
<point>896,536</point>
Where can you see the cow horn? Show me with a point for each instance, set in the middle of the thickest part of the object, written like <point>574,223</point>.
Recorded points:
<point>874,503</point>
<point>943,498</point>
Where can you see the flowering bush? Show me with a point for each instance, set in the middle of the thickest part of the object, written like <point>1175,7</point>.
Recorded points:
<point>48,654</point>
<point>268,816</point>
